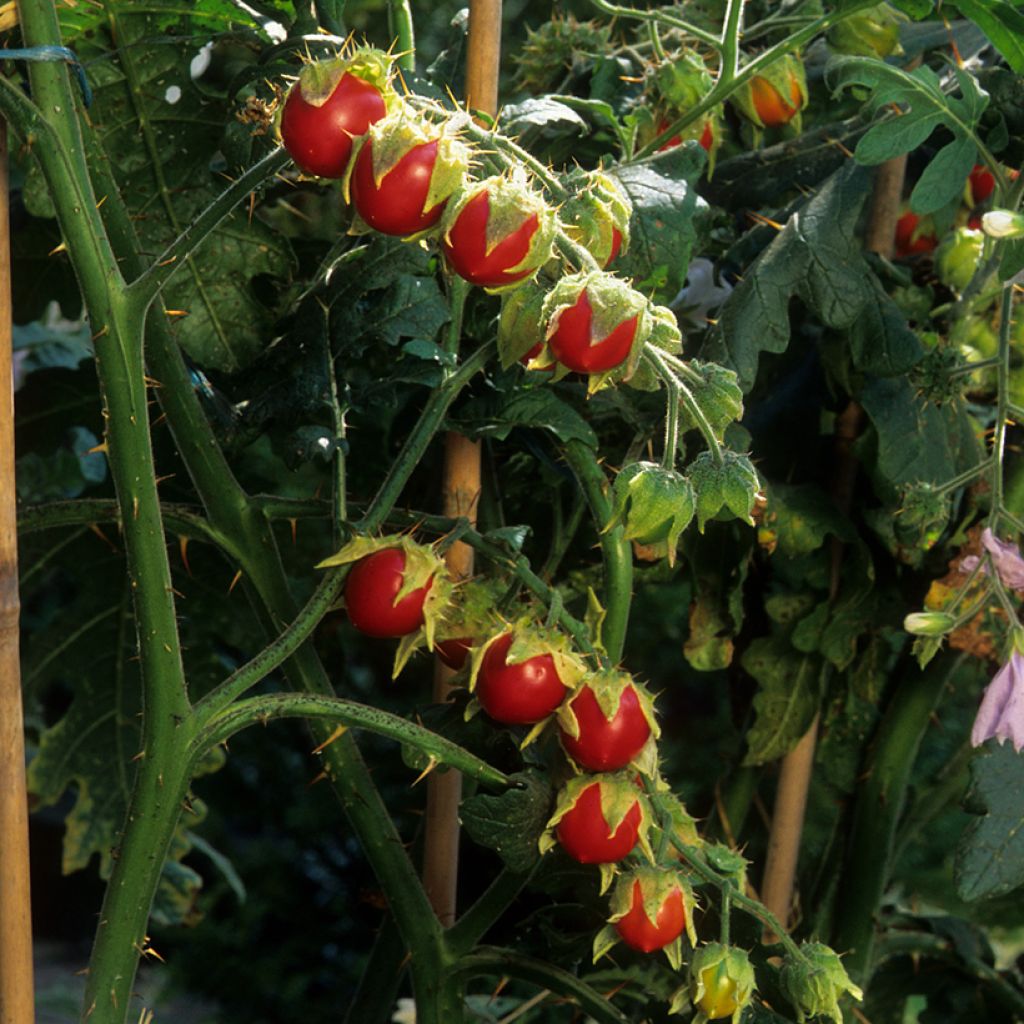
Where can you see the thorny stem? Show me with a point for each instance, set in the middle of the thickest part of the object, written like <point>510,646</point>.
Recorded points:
<point>660,364</point>
<point>402,30</point>
<point>731,32</point>
<point>656,16</point>
<point>966,477</point>
<point>668,459</point>
<point>1003,378</point>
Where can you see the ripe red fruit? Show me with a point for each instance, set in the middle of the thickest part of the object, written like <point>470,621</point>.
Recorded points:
<point>707,138</point>
<point>395,206</point>
<point>584,833</point>
<point>467,251</point>
<point>453,652</point>
<point>982,183</point>
<point>370,591</point>
<point>910,238</point>
<point>571,340</point>
<point>522,693</point>
<point>638,931</point>
<point>603,745</point>
<point>616,246</point>
<point>318,136</point>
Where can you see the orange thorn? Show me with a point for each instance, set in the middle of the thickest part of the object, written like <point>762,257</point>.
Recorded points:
<point>336,735</point>
<point>234,582</point>
<point>295,525</point>
<point>183,548</point>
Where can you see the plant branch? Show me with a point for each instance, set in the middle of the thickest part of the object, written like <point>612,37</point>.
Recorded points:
<point>267,707</point>
<point>658,17</point>
<point>144,289</point>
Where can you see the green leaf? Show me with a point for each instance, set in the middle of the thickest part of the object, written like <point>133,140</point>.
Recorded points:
<point>788,697</point>
<point>413,307</point>
<point>662,227</point>
<point>990,855</point>
<point>539,408</point>
<point>1002,23</point>
<point>917,440</point>
<point>818,258</point>
<point>917,9</point>
<point>541,119</point>
<point>798,518</point>
<point>161,132</point>
<point>924,106</point>
<point>511,823</point>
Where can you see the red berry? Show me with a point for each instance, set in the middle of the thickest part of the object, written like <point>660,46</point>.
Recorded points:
<point>584,834</point>
<point>639,932</point>
<point>319,138</point>
<point>571,342</point>
<point>605,745</point>
<point>370,591</point>
<point>522,693</point>
<point>396,205</point>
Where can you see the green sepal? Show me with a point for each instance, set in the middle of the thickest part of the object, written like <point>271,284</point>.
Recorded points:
<point>521,326</point>
<point>781,75</point>
<point>511,201</point>
<point>684,824</point>
<point>319,79</point>
<point>726,961</point>
<point>733,485</point>
<point>422,564</point>
<point>814,983</point>
<point>718,394</point>
<point>593,619</point>
<point>871,33</point>
<point>655,505</point>
<point>531,640</point>
<point>607,686</point>
<point>400,131</point>
<point>664,336</point>
<point>728,862</point>
<point>958,256</point>
<point>682,82</point>
<point>618,794</point>
<point>597,205</point>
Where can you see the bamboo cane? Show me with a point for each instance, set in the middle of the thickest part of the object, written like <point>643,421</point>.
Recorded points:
<point>461,491</point>
<point>16,998</point>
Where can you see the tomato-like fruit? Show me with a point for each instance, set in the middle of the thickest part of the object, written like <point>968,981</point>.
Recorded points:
<point>707,138</point>
<point>718,999</point>
<point>319,138</point>
<point>982,183</point>
<point>616,246</point>
<point>570,343</point>
<point>465,246</point>
<point>396,206</point>
<point>603,745</point>
<point>453,652</point>
<point>370,591</point>
<point>584,834</point>
<point>909,239</point>
<point>772,107</point>
<point>638,931</point>
<point>519,694</point>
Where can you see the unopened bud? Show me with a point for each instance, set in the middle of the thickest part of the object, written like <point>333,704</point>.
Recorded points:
<point>928,623</point>
<point>1002,224</point>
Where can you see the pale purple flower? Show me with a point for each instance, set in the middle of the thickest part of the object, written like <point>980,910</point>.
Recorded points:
<point>1006,558</point>
<point>1001,713</point>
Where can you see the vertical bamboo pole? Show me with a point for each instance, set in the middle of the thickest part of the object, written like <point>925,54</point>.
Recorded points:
<point>16,998</point>
<point>797,766</point>
<point>461,492</point>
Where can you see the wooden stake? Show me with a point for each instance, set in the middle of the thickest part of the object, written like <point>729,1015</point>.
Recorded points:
<point>461,492</point>
<point>16,995</point>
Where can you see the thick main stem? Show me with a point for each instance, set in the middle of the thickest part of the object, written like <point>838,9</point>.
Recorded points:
<point>16,997</point>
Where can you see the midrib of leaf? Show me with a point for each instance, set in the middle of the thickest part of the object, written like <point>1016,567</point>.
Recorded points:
<point>70,639</point>
<point>135,92</point>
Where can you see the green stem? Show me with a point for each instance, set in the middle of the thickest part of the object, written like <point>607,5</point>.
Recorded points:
<point>144,289</point>
<point>615,549</point>
<point>427,426</point>
<point>493,962</point>
<point>1003,380</point>
<point>656,16</point>
<point>731,32</point>
<point>374,998</point>
<point>877,814</point>
<point>724,88</point>
<point>966,477</point>
<point>219,700</point>
<point>668,458</point>
<point>265,708</point>
<point>403,32</point>
<point>575,253</point>
<point>491,904</point>
<point>725,912</point>
<point>667,370</point>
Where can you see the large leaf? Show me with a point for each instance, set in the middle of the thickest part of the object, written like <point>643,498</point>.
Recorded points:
<point>923,106</point>
<point>539,408</point>
<point>917,440</point>
<point>816,257</point>
<point>161,133</point>
<point>990,856</point>
<point>512,822</point>
<point>788,697</point>
<point>662,228</point>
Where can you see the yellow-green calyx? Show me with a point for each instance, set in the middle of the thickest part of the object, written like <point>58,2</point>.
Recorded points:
<point>318,80</point>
